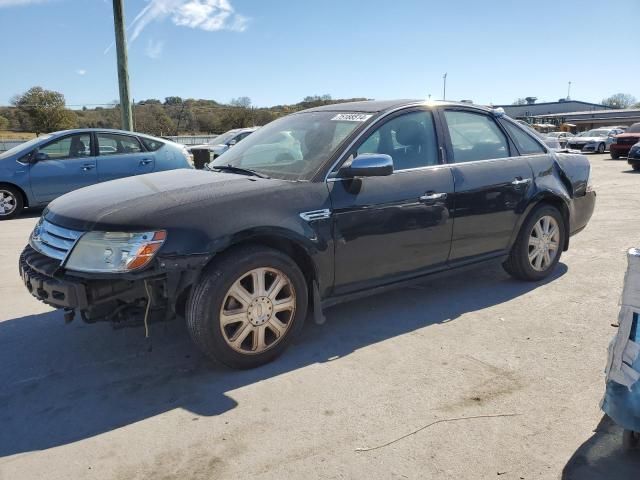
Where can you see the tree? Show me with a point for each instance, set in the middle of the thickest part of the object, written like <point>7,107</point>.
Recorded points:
<point>173,100</point>
<point>519,101</point>
<point>152,119</point>
<point>619,100</point>
<point>46,110</point>
<point>4,123</point>
<point>242,102</point>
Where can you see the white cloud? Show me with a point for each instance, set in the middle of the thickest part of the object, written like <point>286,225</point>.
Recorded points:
<point>14,3</point>
<point>154,49</point>
<point>209,15</point>
<point>81,71</point>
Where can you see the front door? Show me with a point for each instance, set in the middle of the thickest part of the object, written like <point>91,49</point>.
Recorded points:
<point>70,165</point>
<point>491,184</point>
<point>398,226</point>
<point>121,156</point>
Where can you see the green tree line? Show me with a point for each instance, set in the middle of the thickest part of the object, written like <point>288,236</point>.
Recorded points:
<point>41,111</point>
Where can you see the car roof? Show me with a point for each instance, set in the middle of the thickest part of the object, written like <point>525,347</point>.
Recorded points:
<point>378,106</point>
<point>100,130</point>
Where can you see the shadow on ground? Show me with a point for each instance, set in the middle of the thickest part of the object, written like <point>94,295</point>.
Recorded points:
<point>63,383</point>
<point>601,457</point>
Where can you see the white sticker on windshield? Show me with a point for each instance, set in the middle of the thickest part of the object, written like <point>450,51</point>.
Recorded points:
<point>351,117</point>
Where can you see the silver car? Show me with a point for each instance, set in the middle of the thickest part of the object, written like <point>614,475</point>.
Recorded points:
<point>563,137</point>
<point>596,140</point>
<point>220,144</point>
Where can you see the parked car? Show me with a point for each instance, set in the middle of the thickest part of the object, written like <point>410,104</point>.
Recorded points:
<point>624,141</point>
<point>220,144</point>
<point>563,137</point>
<point>549,140</point>
<point>36,172</point>
<point>596,140</point>
<point>633,157</point>
<point>383,194</point>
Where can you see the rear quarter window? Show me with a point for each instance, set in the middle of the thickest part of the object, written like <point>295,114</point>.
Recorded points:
<point>151,144</point>
<point>526,144</point>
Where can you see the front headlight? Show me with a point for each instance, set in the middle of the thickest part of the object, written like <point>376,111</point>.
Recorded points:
<point>110,252</point>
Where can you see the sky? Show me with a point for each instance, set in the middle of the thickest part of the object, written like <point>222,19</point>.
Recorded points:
<point>279,51</point>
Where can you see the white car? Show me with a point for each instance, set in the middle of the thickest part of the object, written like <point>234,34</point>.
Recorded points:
<point>596,140</point>
<point>220,144</point>
<point>563,137</point>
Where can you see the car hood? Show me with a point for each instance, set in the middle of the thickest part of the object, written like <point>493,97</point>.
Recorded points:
<point>153,201</point>
<point>629,135</point>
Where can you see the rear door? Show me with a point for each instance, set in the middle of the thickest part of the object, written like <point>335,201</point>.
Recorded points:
<point>121,155</point>
<point>71,164</point>
<point>491,183</point>
<point>398,226</point>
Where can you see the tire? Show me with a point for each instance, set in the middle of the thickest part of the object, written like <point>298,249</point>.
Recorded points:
<point>254,334</point>
<point>636,166</point>
<point>11,202</point>
<point>519,264</point>
<point>614,155</point>
<point>601,148</point>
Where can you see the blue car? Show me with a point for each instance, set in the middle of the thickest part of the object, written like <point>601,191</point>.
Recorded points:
<point>36,172</point>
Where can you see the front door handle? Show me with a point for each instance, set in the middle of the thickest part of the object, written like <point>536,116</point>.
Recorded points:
<point>520,181</point>
<point>88,166</point>
<point>433,197</point>
<point>145,161</point>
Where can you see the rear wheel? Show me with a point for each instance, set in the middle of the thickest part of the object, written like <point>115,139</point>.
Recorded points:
<point>601,148</point>
<point>537,250</point>
<point>11,202</point>
<point>247,307</point>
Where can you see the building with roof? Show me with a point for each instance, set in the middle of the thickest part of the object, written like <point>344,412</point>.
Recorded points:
<point>532,109</point>
<point>587,120</point>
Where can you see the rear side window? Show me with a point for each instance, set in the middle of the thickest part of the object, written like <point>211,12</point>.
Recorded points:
<point>114,144</point>
<point>151,145</point>
<point>526,144</point>
<point>475,136</point>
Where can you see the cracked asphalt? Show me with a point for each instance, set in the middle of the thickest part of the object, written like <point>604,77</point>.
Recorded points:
<point>86,401</point>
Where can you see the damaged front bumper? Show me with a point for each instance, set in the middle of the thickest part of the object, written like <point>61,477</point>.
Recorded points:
<point>105,297</point>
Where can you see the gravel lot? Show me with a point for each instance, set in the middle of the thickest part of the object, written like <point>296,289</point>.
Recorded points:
<point>87,401</point>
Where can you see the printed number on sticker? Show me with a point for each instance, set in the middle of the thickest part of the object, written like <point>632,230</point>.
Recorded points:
<point>352,117</point>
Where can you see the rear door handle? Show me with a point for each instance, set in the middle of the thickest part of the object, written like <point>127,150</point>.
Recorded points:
<point>432,197</point>
<point>88,166</point>
<point>520,181</point>
<point>145,161</point>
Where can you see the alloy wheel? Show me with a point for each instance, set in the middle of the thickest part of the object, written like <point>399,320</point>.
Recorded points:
<point>544,242</point>
<point>8,202</point>
<point>257,310</point>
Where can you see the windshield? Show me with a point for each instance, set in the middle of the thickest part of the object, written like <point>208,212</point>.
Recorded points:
<point>293,147</point>
<point>554,134</point>
<point>596,133</point>
<point>23,146</point>
<point>224,138</point>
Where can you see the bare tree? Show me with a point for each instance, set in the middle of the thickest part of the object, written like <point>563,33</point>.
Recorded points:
<point>619,100</point>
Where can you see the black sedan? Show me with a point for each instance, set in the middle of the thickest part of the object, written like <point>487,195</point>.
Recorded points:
<point>313,209</point>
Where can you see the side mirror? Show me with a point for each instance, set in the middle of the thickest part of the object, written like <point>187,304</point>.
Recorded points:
<point>232,142</point>
<point>368,165</point>
<point>39,157</point>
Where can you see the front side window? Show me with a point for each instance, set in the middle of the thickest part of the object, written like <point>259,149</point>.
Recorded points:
<point>409,139</point>
<point>294,147</point>
<point>114,144</point>
<point>73,146</point>
<point>526,144</point>
<point>475,136</point>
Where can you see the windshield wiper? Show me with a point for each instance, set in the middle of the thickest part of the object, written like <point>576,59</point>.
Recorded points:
<point>240,170</point>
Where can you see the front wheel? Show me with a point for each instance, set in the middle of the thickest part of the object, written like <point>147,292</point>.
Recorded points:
<point>247,306</point>
<point>11,202</point>
<point>538,247</point>
<point>636,166</point>
<point>601,148</point>
<point>614,155</point>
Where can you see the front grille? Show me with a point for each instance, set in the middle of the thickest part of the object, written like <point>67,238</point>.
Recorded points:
<point>577,146</point>
<point>52,240</point>
<point>627,141</point>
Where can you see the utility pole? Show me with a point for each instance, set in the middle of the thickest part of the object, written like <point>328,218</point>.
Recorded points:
<point>569,91</point>
<point>123,68</point>
<point>444,87</point>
